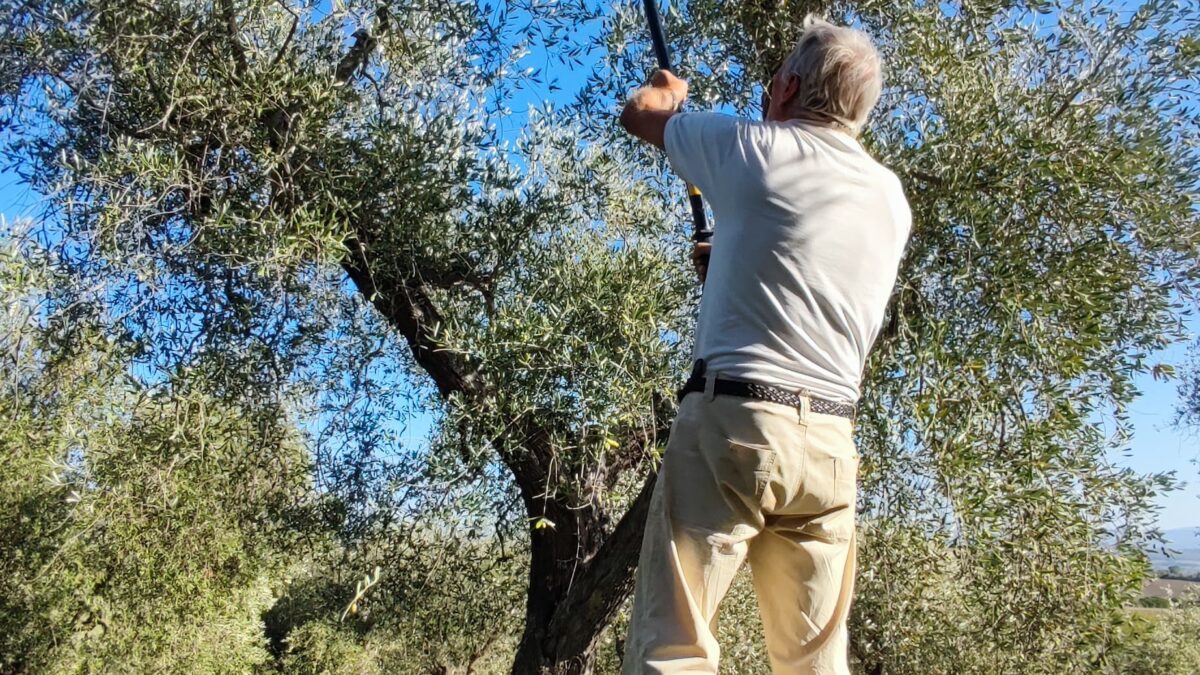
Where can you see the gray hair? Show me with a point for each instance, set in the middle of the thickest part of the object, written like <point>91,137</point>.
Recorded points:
<point>839,71</point>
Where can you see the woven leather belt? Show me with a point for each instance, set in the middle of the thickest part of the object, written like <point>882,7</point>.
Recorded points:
<point>762,392</point>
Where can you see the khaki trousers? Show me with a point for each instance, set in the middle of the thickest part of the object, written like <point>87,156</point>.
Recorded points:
<point>750,479</point>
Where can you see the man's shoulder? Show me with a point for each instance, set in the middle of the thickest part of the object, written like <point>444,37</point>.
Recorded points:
<point>705,147</point>
<point>884,178</point>
<point>707,121</point>
<point>890,181</point>
<point>888,190</point>
<point>893,189</point>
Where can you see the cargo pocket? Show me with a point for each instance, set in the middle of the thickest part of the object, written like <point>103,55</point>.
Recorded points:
<point>748,468</point>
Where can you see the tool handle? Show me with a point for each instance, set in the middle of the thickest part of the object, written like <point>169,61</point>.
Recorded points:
<point>701,231</point>
<point>657,37</point>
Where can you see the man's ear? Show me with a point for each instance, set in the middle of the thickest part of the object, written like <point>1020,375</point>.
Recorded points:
<point>791,87</point>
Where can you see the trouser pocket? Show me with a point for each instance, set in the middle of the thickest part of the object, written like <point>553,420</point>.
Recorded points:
<point>829,487</point>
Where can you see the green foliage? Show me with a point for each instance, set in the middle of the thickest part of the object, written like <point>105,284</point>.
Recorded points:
<point>441,602</point>
<point>1158,643</point>
<point>159,528</point>
<point>324,648</point>
<point>143,526</point>
<point>964,626</point>
<point>1188,410</point>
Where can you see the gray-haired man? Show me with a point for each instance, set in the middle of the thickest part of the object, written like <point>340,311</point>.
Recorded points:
<point>761,463</point>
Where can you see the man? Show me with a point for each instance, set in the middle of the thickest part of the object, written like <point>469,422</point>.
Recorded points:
<point>761,462</point>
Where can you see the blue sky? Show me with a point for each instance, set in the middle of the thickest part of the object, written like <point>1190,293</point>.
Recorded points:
<point>1159,446</point>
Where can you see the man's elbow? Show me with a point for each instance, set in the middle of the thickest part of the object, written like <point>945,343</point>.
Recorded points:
<point>627,118</point>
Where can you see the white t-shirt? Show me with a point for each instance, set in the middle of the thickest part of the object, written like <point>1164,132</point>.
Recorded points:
<point>808,237</point>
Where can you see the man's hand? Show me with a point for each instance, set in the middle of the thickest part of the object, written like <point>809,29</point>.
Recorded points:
<point>648,109</point>
<point>665,79</point>
<point>700,255</point>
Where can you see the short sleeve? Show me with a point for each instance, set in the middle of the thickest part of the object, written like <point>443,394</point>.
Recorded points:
<point>705,147</point>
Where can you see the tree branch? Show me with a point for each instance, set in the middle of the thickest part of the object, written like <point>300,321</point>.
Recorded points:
<point>412,312</point>
<point>229,16</point>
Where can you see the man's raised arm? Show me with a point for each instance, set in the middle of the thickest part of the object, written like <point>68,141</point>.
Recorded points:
<point>648,109</point>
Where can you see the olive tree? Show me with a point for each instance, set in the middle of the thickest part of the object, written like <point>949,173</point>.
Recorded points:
<point>145,525</point>
<point>221,156</point>
<point>173,521</point>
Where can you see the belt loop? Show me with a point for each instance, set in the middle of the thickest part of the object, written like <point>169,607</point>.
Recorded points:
<point>805,405</point>
<point>710,386</point>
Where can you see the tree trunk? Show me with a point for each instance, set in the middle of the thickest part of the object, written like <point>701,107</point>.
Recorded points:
<point>555,554</point>
<point>573,596</point>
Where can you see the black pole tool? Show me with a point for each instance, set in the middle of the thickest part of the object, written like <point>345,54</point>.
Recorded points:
<point>701,232</point>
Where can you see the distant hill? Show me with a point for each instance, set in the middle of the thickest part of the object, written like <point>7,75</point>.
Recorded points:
<point>1167,588</point>
<point>1185,543</point>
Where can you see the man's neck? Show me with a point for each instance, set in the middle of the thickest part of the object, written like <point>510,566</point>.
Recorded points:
<point>815,120</point>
